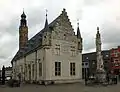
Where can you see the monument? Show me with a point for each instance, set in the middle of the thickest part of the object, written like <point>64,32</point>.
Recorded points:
<point>100,72</point>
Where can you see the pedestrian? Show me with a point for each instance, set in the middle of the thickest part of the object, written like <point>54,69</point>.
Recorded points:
<point>115,79</point>
<point>108,79</point>
<point>119,77</point>
<point>86,81</point>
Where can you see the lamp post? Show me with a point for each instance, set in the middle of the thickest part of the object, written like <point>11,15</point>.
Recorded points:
<point>85,75</point>
<point>85,70</point>
<point>93,65</point>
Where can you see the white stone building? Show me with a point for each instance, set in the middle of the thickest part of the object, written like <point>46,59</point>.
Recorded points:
<point>52,55</point>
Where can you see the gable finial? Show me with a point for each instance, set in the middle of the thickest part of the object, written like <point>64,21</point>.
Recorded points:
<point>46,12</point>
<point>64,9</point>
<point>46,22</point>
<point>23,9</point>
<point>77,22</point>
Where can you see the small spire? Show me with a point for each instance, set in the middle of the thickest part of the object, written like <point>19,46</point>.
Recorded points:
<point>46,13</point>
<point>23,19</point>
<point>98,34</point>
<point>77,22</point>
<point>78,30</point>
<point>97,28</point>
<point>23,15</point>
<point>46,22</point>
<point>23,10</point>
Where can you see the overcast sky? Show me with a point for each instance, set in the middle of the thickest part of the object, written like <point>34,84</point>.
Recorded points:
<point>91,13</point>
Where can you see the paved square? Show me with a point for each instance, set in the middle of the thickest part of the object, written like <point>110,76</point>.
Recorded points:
<point>61,88</point>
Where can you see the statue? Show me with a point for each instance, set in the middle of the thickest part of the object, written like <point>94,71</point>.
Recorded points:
<point>100,72</point>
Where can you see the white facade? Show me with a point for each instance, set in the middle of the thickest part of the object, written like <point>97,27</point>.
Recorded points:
<point>39,66</point>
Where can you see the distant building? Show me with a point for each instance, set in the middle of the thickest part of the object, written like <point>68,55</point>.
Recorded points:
<point>8,72</point>
<point>53,55</point>
<point>115,60</point>
<point>89,63</point>
<point>0,74</point>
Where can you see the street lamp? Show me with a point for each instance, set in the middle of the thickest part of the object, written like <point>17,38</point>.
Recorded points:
<point>93,66</point>
<point>85,72</point>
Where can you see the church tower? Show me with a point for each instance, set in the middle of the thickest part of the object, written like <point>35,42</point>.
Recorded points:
<point>23,31</point>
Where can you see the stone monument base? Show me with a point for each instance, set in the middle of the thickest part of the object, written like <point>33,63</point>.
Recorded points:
<point>100,76</point>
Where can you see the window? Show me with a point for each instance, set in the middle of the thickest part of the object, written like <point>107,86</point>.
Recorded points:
<point>57,49</point>
<point>86,63</point>
<point>105,61</point>
<point>107,55</point>
<point>57,68</point>
<point>73,50</point>
<point>40,69</point>
<point>72,68</point>
<point>78,45</point>
<point>115,53</point>
<point>82,64</point>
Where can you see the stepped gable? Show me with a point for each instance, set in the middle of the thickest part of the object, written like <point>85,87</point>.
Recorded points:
<point>36,41</point>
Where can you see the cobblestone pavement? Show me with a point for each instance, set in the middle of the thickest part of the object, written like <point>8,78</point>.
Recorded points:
<point>61,88</point>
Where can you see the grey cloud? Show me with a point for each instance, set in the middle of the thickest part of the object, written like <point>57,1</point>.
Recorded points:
<point>37,16</point>
<point>111,35</point>
<point>88,44</point>
<point>8,48</point>
<point>92,2</point>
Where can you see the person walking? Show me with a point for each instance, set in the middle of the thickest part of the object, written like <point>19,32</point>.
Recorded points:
<point>115,79</point>
<point>108,78</point>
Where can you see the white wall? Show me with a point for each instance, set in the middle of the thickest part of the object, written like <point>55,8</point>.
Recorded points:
<point>65,59</point>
